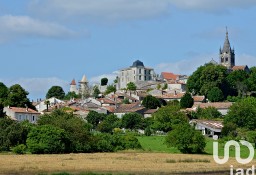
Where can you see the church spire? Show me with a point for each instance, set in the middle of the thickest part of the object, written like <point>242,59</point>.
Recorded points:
<point>226,46</point>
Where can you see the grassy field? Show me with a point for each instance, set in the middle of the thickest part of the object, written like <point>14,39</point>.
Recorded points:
<point>156,144</point>
<point>156,158</point>
<point>114,163</point>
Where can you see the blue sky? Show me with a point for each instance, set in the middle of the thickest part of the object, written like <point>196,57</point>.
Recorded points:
<point>50,42</point>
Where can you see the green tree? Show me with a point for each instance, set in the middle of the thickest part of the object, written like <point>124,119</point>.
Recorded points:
<point>12,133</point>
<point>243,113</point>
<point>186,139</point>
<point>132,121</point>
<point>55,91</point>
<point>151,102</point>
<point>251,137</point>
<point>165,86</point>
<point>229,129</point>
<point>167,117</point>
<point>109,123</point>
<point>131,87</point>
<point>186,101</point>
<point>238,81</point>
<point>208,113</point>
<point>252,79</point>
<point>79,138</point>
<point>17,97</point>
<point>94,118</point>
<point>3,92</point>
<point>215,95</point>
<point>126,101</point>
<point>96,92</point>
<point>46,139</point>
<point>104,81</point>
<point>207,77</point>
<point>2,113</point>
<point>110,89</point>
<point>71,95</point>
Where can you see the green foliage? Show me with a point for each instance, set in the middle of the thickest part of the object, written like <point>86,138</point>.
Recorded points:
<point>109,123</point>
<point>55,91</point>
<point>131,86</point>
<point>94,118</point>
<point>2,113</point>
<point>165,86</point>
<point>132,121</point>
<point>229,130</point>
<point>158,86</point>
<point>110,89</point>
<point>46,139</point>
<point>251,137</point>
<point>71,95</point>
<point>96,92</point>
<point>126,101</point>
<point>207,113</point>
<point>167,117</point>
<point>17,97</point>
<point>233,98</point>
<point>207,77</point>
<point>238,81</point>
<point>186,101</point>
<point>104,81</point>
<point>186,139</point>
<point>19,149</point>
<point>252,79</point>
<point>151,102</point>
<point>109,143</point>
<point>3,92</point>
<point>76,130</point>
<point>215,95</point>
<point>148,131</point>
<point>243,113</point>
<point>12,133</point>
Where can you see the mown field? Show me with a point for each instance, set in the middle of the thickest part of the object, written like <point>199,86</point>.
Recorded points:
<point>156,158</point>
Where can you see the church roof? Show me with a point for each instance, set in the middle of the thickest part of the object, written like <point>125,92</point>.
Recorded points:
<point>84,80</point>
<point>137,63</point>
<point>73,82</point>
<point>240,67</point>
<point>226,46</point>
<point>213,62</point>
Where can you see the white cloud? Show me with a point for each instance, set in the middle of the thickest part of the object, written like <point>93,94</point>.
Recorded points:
<point>185,66</point>
<point>18,26</point>
<point>112,10</point>
<point>111,77</point>
<point>212,5</point>
<point>37,87</point>
<point>101,9</point>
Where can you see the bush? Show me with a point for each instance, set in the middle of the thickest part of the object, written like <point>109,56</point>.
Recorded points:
<point>148,131</point>
<point>46,139</point>
<point>186,139</point>
<point>186,101</point>
<point>19,149</point>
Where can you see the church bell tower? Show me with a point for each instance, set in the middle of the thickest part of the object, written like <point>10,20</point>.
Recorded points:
<point>227,55</point>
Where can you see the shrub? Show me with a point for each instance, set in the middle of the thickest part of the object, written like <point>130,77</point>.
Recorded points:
<point>19,149</point>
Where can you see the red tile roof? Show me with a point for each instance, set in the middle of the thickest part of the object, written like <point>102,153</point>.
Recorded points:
<point>210,123</point>
<point>169,76</point>
<point>73,82</point>
<point>23,110</point>
<point>171,96</point>
<point>239,68</point>
<point>199,98</point>
<point>218,105</point>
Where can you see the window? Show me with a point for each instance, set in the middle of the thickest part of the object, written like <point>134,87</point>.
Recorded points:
<point>145,72</point>
<point>33,118</point>
<point>19,117</point>
<point>222,59</point>
<point>139,71</point>
<point>140,77</point>
<point>226,59</point>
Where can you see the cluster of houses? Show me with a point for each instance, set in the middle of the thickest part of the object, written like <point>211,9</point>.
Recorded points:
<point>166,86</point>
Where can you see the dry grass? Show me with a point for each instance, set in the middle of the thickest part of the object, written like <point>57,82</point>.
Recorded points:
<point>127,162</point>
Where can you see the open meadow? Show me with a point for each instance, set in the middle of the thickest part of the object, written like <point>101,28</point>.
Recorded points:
<point>156,158</point>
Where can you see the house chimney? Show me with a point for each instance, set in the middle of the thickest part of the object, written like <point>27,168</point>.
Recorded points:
<point>26,107</point>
